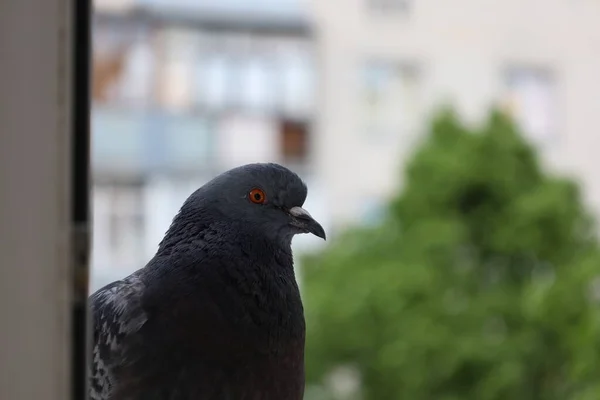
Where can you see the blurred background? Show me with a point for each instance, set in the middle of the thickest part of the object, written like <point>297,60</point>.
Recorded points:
<point>450,150</point>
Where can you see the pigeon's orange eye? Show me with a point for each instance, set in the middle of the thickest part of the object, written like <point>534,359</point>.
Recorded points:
<point>257,196</point>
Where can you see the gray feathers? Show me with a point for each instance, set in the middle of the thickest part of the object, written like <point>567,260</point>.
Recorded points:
<point>117,313</point>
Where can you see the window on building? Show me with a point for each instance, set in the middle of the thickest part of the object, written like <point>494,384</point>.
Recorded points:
<point>138,74</point>
<point>531,99</point>
<point>257,86</point>
<point>388,6</point>
<point>123,64</point>
<point>253,74</point>
<point>214,80</point>
<point>389,98</point>
<point>119,224</point>
<point>108,68</point>
<point>297,85</point>
<point>294,141</point>
<point>114,5</point>
<point>179,51</point>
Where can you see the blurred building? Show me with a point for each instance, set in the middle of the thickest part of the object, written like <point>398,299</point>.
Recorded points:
<point>183,90</point>
<point>386,63</point>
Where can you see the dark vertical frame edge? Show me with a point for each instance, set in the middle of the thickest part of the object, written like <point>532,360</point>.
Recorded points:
<point>80,192</point>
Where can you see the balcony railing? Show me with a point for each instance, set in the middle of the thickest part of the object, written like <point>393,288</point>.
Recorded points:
<point>146,141</point>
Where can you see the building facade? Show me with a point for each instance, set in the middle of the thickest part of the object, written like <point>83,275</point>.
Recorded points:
<point>384,65</point>
<point>185,89</point>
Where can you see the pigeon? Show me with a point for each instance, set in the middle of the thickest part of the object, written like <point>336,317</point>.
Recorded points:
<point>216,314</point>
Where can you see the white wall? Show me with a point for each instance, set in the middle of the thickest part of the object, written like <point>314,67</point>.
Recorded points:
<point>462,49</point>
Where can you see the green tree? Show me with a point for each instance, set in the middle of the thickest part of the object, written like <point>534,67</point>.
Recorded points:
<point>482,283</point>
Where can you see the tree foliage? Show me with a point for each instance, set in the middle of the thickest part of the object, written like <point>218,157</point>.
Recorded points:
<point>481,284</point>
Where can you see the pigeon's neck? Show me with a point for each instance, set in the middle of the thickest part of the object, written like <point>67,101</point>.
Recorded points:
<point>256,272</point>
<point>186,227</point>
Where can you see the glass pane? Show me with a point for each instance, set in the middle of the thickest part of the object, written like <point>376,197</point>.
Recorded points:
<point>389,102</point>
<point>136,83</point>
<point>180,53</point>
<point>531,97</point>
<point>216,72</point>
<point>255,84</point>
<point>297,84</point>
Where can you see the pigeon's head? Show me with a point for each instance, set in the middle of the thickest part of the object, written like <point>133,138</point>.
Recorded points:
<point>262,198</point>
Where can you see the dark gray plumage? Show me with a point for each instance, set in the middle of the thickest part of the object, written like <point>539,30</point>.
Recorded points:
<point>216,314</point>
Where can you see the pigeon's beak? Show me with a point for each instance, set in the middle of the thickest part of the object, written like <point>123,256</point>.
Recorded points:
<point>303,220</point>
